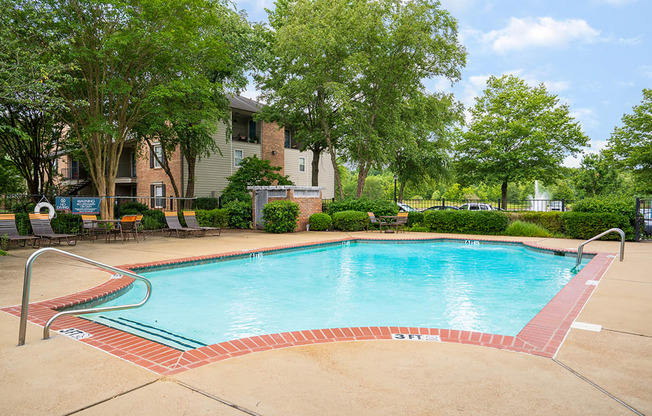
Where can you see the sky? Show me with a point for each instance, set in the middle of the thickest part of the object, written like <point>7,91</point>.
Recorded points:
<point>595,55</point>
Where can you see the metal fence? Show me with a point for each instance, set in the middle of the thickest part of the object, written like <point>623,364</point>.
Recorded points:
<point>486,205</point>
<point>643,219</point>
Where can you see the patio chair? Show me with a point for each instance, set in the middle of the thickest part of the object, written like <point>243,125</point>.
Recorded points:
<point>191,222</point>
<point>173,223</point>
<point>41,228</point>
<point>375,221</point>
<point>401,221</point>
<point>139,220</point>
<point>90,227</point>
<point>9,233</point>
<point>127,227</point>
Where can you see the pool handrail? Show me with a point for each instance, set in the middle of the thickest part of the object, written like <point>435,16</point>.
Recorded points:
<point>580,249</point>
<point>26,286</point>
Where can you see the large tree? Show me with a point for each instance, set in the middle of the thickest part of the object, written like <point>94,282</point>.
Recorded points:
<point>118,52</point>
<point>631,144</point>
<point>517,133</point>
<point>597,177</point>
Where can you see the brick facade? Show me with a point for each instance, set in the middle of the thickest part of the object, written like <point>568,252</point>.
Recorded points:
<point>273,145</point>
<point>148,175</point>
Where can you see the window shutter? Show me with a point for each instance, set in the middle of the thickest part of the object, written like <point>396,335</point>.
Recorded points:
<point>152,195</point>
<point>151,157</point>
<point>163,191</point>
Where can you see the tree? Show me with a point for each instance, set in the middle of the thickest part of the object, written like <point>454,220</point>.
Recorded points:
<point>422,152</point>
<point>116,54</point>
<point>517,133</point>
<point>30,128</point>
<point>597,177</point>
<point>631,145</point>
<point>185,113</point>
<point>252,172</point>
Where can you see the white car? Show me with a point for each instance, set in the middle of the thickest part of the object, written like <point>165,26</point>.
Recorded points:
<point>477,206</point>
<point>406,208</point>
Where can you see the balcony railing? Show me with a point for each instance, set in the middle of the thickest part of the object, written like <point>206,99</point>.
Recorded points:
<point>74,174</point>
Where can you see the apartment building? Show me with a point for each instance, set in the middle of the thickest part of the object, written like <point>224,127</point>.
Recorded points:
<point>140,175</point>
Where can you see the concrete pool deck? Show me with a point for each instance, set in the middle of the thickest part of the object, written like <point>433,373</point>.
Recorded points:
<point>606,372</point>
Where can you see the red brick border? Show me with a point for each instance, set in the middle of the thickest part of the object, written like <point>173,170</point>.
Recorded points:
<point>542,336</point>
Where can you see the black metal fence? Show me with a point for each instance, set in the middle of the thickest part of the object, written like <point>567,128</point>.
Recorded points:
<point>486,205</point>
<point>643,219</point>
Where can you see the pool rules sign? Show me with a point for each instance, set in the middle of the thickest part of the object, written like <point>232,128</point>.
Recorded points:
<point>416,337</point>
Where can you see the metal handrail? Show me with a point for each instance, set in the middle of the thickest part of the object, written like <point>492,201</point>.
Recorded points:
<point>46,328</point>
<point>580,249</point>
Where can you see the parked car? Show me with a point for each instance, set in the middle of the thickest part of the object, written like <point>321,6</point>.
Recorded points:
<point>439,208</point>
<point>406,208</point>
<point>477,206</point>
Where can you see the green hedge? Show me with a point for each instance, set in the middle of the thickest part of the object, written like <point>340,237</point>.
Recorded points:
<point>153,220</point>
<point>415,218</point>
<point>212,218</point>
<point>526,229</point>
<point>320,222</point>
<point>470,222</point>
<point>551,221</point>
<point>350,220</point>
<point>622,206</point>
<point>205,204</point>
<point>131,208</point>
<point>585,225</point>
<point>239,214</point>
<point>281,216</point>
<point>378,207</point>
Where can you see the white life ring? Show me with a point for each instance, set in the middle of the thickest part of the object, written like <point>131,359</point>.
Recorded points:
<point>41,205</point>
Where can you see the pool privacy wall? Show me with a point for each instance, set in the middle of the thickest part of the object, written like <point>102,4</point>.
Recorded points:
<point>541,336</point>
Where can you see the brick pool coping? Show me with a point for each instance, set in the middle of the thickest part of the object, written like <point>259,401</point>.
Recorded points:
<point>542,336</point>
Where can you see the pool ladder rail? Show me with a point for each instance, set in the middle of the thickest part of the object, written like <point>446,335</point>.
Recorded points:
<point>46,328</point>
<point>580,249</point>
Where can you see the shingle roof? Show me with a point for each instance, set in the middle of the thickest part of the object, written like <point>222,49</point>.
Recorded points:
<point>243,103</point>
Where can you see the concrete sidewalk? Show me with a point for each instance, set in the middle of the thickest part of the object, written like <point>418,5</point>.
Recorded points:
<point>597,373</point>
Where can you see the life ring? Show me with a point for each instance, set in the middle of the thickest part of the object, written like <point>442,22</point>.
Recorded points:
<point>41,205</point>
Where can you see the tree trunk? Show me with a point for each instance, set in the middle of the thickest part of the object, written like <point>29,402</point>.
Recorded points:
<point>363,170</point>
<point>503,201</point>
<point>402,188</point>
<point>316,153</point>
<point>331,150</point>
<point>190,188</point>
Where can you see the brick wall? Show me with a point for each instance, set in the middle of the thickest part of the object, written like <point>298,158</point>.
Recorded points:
<point>307,207</point>
<point>148,176</point>
<point>273,140</point>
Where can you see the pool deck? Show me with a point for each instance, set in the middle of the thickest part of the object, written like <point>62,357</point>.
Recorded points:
<point>598,373</point>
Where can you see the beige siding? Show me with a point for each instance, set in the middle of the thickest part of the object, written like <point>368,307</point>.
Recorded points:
<point>211,172</point>
<point>305,178</point>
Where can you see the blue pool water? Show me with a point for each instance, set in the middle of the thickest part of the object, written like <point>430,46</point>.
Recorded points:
<point>477,287</point>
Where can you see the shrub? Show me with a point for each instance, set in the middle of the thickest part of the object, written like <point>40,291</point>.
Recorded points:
<point>239,214</point>
<point>153,220</point>
<point>551,221</point>
<point>526,229</point>
<point>281,216</point>
<point>377,206</point>
<point>419,229</point>
<point>473,222</point>
<point>66,223</point>
<point>415,218</point>
<point>350,220</point>
<point>617,205</point>
<point>320,222</point>
<point>585,225</point>
<point>205,204</point>
<point>131,208</point>
<point>212,218</point>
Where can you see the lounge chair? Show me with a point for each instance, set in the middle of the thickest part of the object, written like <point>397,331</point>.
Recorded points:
<point>127,227</point>
<point>9,233</point>
<point>139,220</point>
<point>173,223</point>
<point>375,221</point>
<point>191,222</point>
<point>41,228</point>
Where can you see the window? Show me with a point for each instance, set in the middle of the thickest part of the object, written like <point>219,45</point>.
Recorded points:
<point>302,164</point>
<point>133,165</point>
<point>157,193</point>
<point>237,157</point>
<point>157,150</point>
<point>288,139</point>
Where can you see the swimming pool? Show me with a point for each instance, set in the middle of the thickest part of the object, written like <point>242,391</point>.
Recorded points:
<point>463,285</point>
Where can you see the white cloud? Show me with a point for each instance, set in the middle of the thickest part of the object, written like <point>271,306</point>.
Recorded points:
<point>614,2</point>
<point>586,117</point>
<point>540,32</point>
